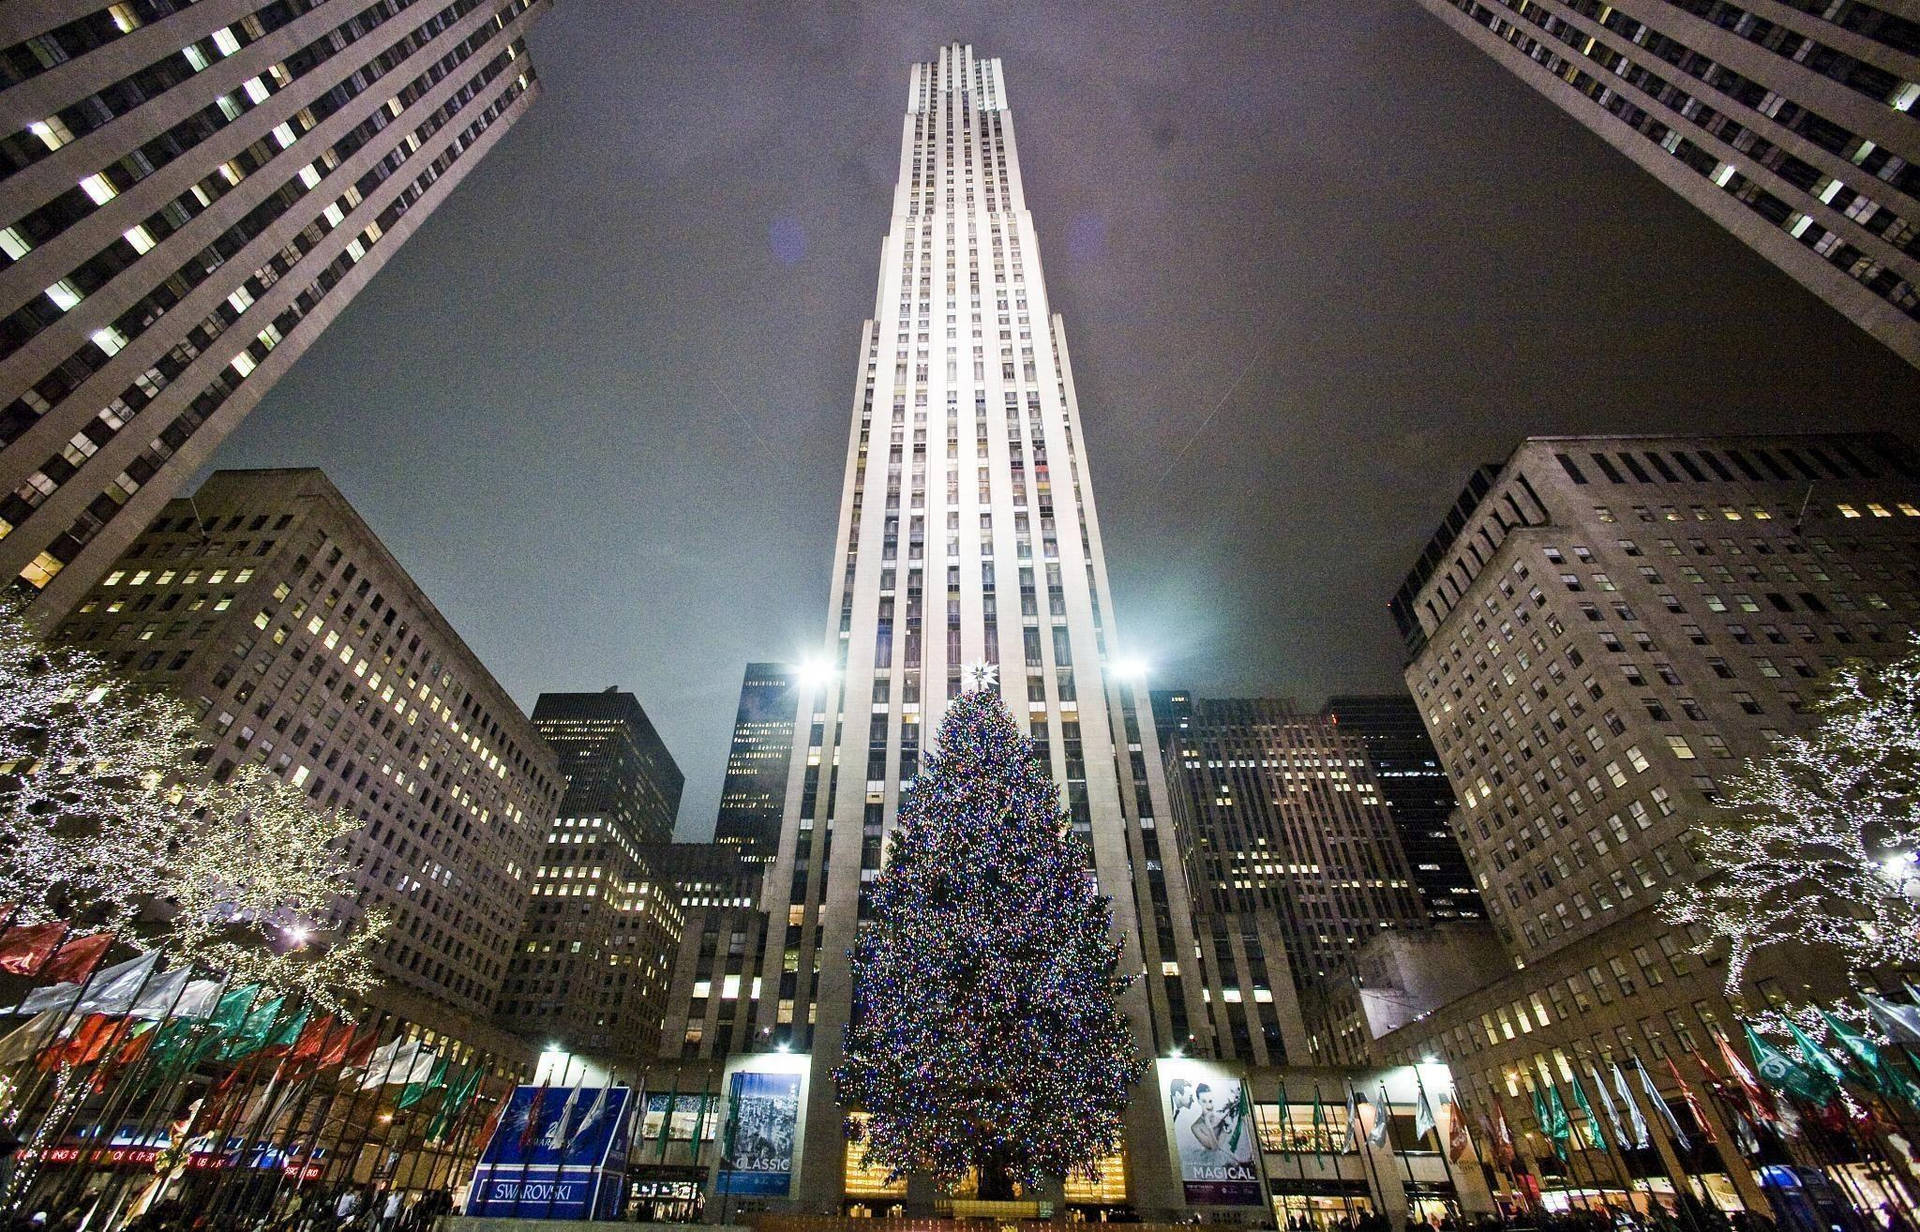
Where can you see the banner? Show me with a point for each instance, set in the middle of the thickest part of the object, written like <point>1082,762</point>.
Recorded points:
<point>762,1123</point>
<point>555,1157</point>
<point>1210,1134</point>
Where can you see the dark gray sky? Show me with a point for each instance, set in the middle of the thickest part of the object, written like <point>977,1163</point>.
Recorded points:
<point>1316,261</point>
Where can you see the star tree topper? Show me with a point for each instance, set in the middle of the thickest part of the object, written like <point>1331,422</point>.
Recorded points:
<point>980,677</point>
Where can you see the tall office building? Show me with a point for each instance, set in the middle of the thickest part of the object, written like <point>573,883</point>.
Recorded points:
<point>756,784</point>
<point>967,533</point>
<point>189,193</point>
<point>1789,123</point>
<point>1407,769</point>
<point>1602,632</point>
<point>1283,817</point>
<point>266,604</point>
<point>594,959</point>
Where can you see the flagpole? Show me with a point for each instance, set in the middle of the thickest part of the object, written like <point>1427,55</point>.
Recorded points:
<point>1319,1133</point>
<point>1386,1115</point>
<point>66,1119</point>
<point>1440,1140</point>
<point>313,1140</point>
<point>249,1133</point>
<point>168,1089</point>
<point>360,1086</point>
<point>535,1107</point>
<point>1286,1129</point>
<point>112,1108</point>
<point>561,1142</point>
<point>396,1124</point>
<point>245,1076</point>
<point>1357,1134</point>
<point>1473,1144</point>
<point>298,1115</point>
<point>27,1165</point>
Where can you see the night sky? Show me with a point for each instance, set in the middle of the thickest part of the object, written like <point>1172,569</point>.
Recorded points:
<point>1316,260</point>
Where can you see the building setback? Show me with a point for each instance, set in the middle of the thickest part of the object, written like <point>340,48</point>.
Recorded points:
<point>755,787</point>
<point>1603,630</point>
<point>1790,124</point>
<point>591,969</point>
<point>967,533</point>
<point>1407,769</point>
<point>189,193</point>
<point>268,606</point>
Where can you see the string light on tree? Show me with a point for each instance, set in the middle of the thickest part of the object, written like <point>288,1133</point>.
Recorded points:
<point>985,1033</point>
<point>1814,845</point>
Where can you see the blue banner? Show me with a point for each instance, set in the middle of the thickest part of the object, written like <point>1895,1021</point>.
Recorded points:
<point>763,1113</point>
<point>557,1153</point>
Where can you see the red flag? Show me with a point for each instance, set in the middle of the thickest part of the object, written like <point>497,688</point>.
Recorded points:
<point>1693,1104</point>
<point>528,1130</point>
<point>313,1040</point>
<point>1459,1146</point>
<point>75,960</point>
<point>84,1046</point>
<point>25,948</point>
<point>1759,1103</point>
<point>352,1048</point>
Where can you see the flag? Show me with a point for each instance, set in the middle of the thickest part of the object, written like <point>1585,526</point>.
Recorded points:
<point>459,1095</point>
<point>1634,1119</point>
<point>1356,1129</point>
<point>75,960</point>
<point>90,1038</point>
<point>24,948</point>
<point>1759,1103</point>
<point>350,1048</point>
<point>1319,1123</point>
<point>1883,1077</point>
<point>111,991</point>
<point>1552,1121</point>
<point>1784,1074</point>
<point>555,1139</point>
<point>1423,1122</point>
<point>313,1039</point>
<point>1900,1022</point>
<point>534,1106</point>
<point>25,1041</point>
<point>1607,1106</point>
<point>1501,1136</point>
<point>160,995</point>
<point>288,1033</point>
<point>253,1031</point>
<point>418,1088</point>
<point>1817,1057</point>
<point>1382,1113</point>
<point>1595,1138</point>
<point>403,1060</point>
<point>1459,1144</point>
<point>594,1112</point>
<point>1686,1095</point>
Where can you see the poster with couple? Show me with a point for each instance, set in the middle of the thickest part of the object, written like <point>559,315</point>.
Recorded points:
<point>1210,1134</point>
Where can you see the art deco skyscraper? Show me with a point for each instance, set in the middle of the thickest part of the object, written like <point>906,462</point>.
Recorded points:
<point>189,193</point>
<point>1788,122</point>
<point>967,533</point>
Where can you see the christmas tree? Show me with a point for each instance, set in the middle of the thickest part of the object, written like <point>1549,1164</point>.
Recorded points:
<point>986,1034</point>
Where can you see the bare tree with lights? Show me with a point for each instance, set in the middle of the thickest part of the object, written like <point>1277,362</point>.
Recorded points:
<point>986,1034</point>
<point>106,821</point>
<point>1816,843</point>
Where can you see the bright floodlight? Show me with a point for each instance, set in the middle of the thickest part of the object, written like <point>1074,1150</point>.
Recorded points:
<point>1130,668</point>
<point>812,673</point>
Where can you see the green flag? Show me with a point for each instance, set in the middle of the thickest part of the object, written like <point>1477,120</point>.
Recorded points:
<point>1595,1138</point>
<point>1786,1075</point>
<point>1553,1121</point>
<point>1882,1076</point>
<point>458,1097</point>
<point>254,1030</point>
<point>1817,1056</point>
<point>288,1033</point>
<point>414,1092</point>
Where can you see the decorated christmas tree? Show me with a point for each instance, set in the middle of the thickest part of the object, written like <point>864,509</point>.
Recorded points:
<point>986,1034</point>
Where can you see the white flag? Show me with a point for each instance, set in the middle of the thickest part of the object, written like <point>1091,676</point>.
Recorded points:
<point>109,992</point>
<point>594,1112</point>
<point>1634,1118</point>
<point>402,1061</point>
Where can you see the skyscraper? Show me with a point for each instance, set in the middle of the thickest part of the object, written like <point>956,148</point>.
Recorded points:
<point>592,965</point>
<point>1409,774</point>
<point>1790,124</point>
<point>189,193</point>
<point>756,784</point>
<point>1282,816</point>
<point>967,533</point>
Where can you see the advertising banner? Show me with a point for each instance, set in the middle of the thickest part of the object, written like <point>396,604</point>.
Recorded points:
<point>1210,1134</point>
<point>557,1153</point>
<point>761,1129</point>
